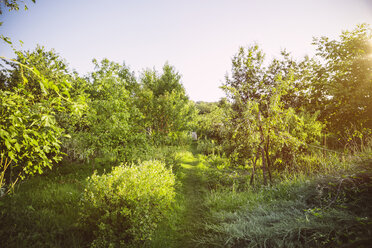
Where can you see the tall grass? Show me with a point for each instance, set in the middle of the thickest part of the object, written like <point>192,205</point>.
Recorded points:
<point>42,215</point>
<point>327,205</point>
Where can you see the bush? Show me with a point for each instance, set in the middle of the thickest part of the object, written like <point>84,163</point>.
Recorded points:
<point>208,147</point>
<point>124,207</point>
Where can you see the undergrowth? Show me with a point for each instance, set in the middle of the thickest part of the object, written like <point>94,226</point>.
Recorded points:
<point>215,206</point>
<point>302,211</point>
<point>43,211</point>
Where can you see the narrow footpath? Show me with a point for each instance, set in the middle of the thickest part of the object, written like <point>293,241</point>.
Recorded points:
<point>193,191</point>
<point>188,218</point>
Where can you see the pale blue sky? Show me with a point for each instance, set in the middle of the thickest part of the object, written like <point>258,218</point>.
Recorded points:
<point>198,37</point>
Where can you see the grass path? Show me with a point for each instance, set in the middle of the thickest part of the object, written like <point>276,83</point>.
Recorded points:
<point>189,207</point>
<point>193,192</point>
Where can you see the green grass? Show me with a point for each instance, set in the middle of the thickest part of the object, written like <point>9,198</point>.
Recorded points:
<point>324,211</point>
<point>186,223</point>
<point>215,207</point>
<point>44,210</point>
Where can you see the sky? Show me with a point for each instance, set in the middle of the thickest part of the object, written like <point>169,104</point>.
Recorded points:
<point>198,37</point>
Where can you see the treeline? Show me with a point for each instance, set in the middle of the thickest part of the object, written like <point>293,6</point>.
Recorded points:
<point>278,119</point>
<point>272,118</point>
<point>275,117</point>
<point>48,112</point>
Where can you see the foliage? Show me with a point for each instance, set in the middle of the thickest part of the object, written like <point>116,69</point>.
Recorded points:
<point>166,109</point>
<point>29,134</point>
<point>330,211</point>
<point>342,83</point>
<point>205,107</point>
<point>30,103</point>
<point>126,205</point>
<point>266,128</point>
<point>12,4</point>
<point>223,177</point>
<point>4,165</point>
<point>261,126</point>
<point>110,128</point>
<point>55,70</point>
<point>43,210</point>
<point>207,146</point>
<point>211,120</point>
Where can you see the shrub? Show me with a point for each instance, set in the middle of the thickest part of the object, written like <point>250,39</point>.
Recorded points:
<point>218,161</point>
<point>124,207</point>
<point>208,147</point>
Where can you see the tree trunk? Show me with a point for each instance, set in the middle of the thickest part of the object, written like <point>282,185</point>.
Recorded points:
<point>324,145</point>
<point>262,148</point>
<point>252,175</point>
<point>268,158</point>
<point>254,168</point>
<point>263,165</point>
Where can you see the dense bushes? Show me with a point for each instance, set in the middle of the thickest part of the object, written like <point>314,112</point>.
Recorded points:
<point>128,115</point>
<point>125,206</point>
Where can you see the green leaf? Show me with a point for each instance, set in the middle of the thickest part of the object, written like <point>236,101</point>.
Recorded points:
<point>6,39</point>
<point>17,146</point>
<point>4,134</point>
<point>7,144</point>
<point>47,120</point>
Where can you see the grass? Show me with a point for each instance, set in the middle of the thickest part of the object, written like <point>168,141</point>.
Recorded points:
<point>44,210</point>
<point>215,207</point>
<point>186,221</point>
<point>323,211</point>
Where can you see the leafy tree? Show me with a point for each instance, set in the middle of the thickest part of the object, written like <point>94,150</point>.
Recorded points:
<point>262,127</point>
<point>163,102</point>
<point>211,120</point>
<point>48,63</point>
<point>110,128</point>
<point>247,75</point>
<point>252,80</point>
<point>54,69</point>
<point>342,86</point>
<point>28,131</point>
<point>29,134</point>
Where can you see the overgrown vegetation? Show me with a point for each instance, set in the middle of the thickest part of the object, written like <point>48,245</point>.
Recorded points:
<point>107,159</point>
<point>323,211</point>
<point>125,206</point>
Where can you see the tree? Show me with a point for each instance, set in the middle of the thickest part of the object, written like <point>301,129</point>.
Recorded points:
<point>262,126</point>
<point>343,82</point>
<point>30,101</point>
<point>211,120</point>
<point>163,102</point>
<point>110,128</point>
<point>54,69</point>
